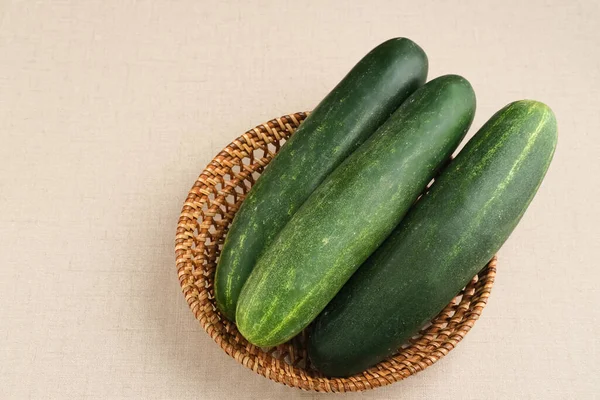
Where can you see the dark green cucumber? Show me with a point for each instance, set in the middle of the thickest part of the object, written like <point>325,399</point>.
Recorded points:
<point>352,212</point>
<point>447,238</point>
<point>356,107</point>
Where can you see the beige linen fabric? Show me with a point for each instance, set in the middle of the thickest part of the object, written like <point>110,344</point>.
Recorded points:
<point>110,109</point>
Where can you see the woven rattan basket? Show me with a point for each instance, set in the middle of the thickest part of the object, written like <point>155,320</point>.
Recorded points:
<point>207,213</point>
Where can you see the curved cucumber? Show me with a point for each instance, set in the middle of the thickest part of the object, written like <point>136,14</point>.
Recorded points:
<point>356,107</point>
<point>352,211</point>
<point>447,238</point>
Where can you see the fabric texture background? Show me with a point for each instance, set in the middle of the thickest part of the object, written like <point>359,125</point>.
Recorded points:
<point>109,110</point>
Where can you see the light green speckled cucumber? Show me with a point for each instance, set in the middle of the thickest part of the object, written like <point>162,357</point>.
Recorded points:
<point>447,238</point>
<point>352,212</point>
<point>356,107</point>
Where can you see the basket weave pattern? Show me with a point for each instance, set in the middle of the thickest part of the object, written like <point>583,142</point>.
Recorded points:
<point>205,218</point>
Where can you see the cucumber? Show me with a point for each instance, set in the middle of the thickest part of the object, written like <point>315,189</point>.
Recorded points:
<point>356,107</point>
<point>447,238</point>
<point>352,212</point>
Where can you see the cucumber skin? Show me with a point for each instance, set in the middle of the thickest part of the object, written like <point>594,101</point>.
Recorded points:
<point>356,107</point>
<point>352,212</point>
<point>449,236</point>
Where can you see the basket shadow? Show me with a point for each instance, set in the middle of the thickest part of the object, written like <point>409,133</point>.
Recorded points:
<point>189,358</point>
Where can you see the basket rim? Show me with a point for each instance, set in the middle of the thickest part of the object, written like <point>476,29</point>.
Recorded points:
<point>432,343</point>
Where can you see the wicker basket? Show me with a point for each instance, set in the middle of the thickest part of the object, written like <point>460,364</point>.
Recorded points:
<point>207,213</point>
